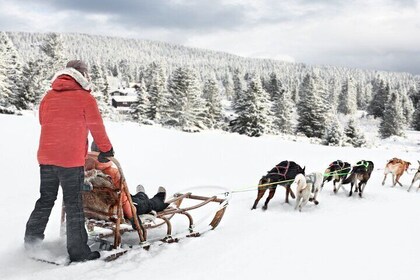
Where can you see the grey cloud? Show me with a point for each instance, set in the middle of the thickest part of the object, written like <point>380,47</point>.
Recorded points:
<point>174,22</point>
<point>339,3</point>
<point>320,8</point>
<point>298,10</point>
<point>395,61</point>
<point>405,3</point>
<point>10,23</point>
<point>200,15</point>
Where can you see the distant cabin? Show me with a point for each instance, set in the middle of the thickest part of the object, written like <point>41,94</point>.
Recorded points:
<point>118,93</point>
<point>123,98</point>
<point>123,101</point>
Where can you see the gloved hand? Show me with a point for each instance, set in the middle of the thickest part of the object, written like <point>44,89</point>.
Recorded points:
<point>103,156</point>
<point>87,186</point>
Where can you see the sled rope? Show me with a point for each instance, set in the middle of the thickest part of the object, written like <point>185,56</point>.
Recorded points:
<point>269,185</point>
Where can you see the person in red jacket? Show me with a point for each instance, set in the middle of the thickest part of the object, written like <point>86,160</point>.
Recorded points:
<point>67,113</point>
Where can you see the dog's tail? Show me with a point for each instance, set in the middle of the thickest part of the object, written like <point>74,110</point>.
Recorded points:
<point>305,187</point>
<point>349,178</point>
<point>299,181</point>
<point>264,183</point>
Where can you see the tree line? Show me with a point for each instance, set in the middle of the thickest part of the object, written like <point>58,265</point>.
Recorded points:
<point>254,98</point>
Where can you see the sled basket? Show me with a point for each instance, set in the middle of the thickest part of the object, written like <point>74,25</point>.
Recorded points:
<point>104,215</point>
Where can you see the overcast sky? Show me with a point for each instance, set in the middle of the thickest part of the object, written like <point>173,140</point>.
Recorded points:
<point>371,34</point>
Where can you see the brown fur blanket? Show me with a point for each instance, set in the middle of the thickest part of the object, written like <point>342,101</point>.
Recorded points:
<point>102,201</point>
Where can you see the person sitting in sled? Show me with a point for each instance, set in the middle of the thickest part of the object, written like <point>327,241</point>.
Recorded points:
<point>141,201</point>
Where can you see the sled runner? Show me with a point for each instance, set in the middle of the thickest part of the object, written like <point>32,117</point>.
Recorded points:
<point>105,219</point>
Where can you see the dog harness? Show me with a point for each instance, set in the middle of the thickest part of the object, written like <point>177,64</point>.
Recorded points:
<point>338,163</point>
<point>283,168</point>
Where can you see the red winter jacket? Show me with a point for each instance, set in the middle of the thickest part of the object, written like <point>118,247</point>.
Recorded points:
<point>66,114</point>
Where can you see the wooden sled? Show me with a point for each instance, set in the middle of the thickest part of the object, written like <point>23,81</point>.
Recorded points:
<point>107,220</point>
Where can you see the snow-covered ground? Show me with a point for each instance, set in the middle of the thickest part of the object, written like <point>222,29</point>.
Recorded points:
<point>375,237</point>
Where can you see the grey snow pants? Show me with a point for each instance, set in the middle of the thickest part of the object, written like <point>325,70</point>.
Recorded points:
<point>71,180</point>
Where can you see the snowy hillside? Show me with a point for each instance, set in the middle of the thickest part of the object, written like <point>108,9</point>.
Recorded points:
<point>194,90</point>
<point>375,237</point>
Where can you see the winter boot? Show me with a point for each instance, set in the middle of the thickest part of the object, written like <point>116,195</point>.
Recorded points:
<point>140,188</point>
<point>32,244</point>
<point>162,190</point>
<point>158,201</point>
<point>89,257</point>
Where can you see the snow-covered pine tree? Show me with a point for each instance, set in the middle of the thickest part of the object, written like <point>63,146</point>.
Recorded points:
<point>186,107</point>
<point>125,72</point>
<point>333,92</point>
<point>99,89</point>
<point>32,91</point>
<point>105,89</point>
<point>293,88</point>
<point>311,110</point>
<point>274,87</point>
<point>141,107</point>
<point>367,98</point>
<point>228,85</point>
<point>406,105</point>
<point>239,88</point>
<point>253,115</point>
<point>347,101</point>
<point>414,95</point>
<point>282,105</point>
<point>380,96</point>
<point>327,108</point>
<point>53,50</point>
<point>98,81</point>
<point>211,95</point>
<point>416,118</point>
<point>51,59</point>
<point>283,112</point>
<point>353,134</point>
<point>329,92</point>
<point>11,84</point>
<point>4,82</point>
<point>114,70</point>
<point>393,119</point>
<point>156,87</point>
<point>364,95</point>
<point>137,73</point>
<point>334,135</point>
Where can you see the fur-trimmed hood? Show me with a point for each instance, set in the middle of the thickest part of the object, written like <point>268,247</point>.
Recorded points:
<point>62,80</point>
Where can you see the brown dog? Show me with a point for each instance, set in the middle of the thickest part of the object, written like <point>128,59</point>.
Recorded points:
<point>397,167</point>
